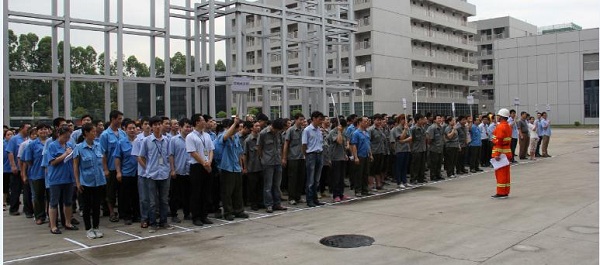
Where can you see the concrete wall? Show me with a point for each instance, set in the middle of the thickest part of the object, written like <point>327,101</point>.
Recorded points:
<point>546,70</point>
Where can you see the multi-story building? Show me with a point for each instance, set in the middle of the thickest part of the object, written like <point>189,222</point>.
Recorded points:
<point>408,49</point>
<point>488,31</point>
<point>556,72</point>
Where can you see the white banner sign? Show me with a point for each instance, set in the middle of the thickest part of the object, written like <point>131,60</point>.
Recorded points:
<point>453,108</point>
<point>404,103</point>
<point>517,102</point>
<point>240,84</point>
<point>470,100</point>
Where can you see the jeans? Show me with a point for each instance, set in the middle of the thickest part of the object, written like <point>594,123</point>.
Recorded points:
<point>158,191</point>
<point>144,199</point>
<point>314,164</point>
<point>272,182</point>
<point>401,167</point>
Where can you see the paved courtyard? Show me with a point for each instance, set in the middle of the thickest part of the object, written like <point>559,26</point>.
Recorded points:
<point>551,217</point>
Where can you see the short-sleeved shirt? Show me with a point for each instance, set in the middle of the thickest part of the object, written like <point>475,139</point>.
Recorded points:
<point>200,143</point>
<point>91,173</point>
<point>252,160</point>
<point>7,168</point>
<point>337,152</point>
<point>451,142</point>
<point>181,158</point>
<point>270,144</point>
<point>294,136</point>
<point>475,136</point>
<point>532,134</point>
<point>22,147</point>
<point>491,129</point>
<point>13,145</point>
<point>156,152</point>
<point>109,141</point>
<point>434,133</point>
<point>483,131</point>
<point>418,139</point>
<point>74,135</point>
<point>395,139</point>
<point>33,155</point>
<point>523,126</point>
<point>362,141</point>
<point>462,135</point>
<point>543,124</point>
<point>313,139</point>
<point>128,161</point>
<point>513,126</point>
<point>135,151</point>
<point>377,140</point>
<point>232,150</point>
<point>349,131</point>
<point>61,173</point>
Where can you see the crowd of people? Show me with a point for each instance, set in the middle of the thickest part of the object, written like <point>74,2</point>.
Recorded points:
<point>149,170</point>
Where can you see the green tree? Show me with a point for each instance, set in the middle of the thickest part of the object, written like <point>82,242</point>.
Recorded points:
<point>254,111</point>
<point>296,111</point>
<point>220,66</point>
<point>221,114</point>
<point>233,111</point>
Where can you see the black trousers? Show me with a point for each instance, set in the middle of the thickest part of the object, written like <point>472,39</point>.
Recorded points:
<point>450,156</point>
<point>231,192</point>
<point>325,178</point>
<point>112,188</point>
<point>475,153</point>
<point>435,165</point>
<point>40,198</point>
<point>296,177</point>
<point>16,188</point>
<point>199,200</point>
<point>338,171</point>
<point>513,146</point>
<point>92,197</point>
<point>486,152</point>
<point>129,199</point>
<point>460,160</point>
<point>255,188</point>
<point>361,176</point>
<point>417,168</point>
<point>179,195</point>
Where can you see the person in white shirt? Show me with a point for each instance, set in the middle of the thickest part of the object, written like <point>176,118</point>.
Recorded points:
<point>533,137</point>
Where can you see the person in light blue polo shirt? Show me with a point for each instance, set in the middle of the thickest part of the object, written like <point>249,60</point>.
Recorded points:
<point>77,133</point>
<point>126,166</point>
<point>32,156</point>
<point>231,174</point>
<point>89,177</point>
<point>312,147</point>
<point>60,178</point>
<point>154,156</point>
<point>181,186</point>
<point>475,147</point>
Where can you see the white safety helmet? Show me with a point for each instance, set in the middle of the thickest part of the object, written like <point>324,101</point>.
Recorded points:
<point>504,113</point>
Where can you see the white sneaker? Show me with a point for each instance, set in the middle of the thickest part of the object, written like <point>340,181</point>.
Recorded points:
<point>408,185</point>
<point>401,186</point>
<point>91,234</point>
<point>98,233</point>
<point>293,202</point>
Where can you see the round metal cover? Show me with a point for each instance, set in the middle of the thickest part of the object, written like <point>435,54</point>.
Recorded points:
<point>347,241</point>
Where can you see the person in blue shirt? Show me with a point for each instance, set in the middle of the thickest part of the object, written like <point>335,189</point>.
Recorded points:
<point>231,174</point>
<point>126,166</point>
<point>475,147</point>
<point>181,187</point>
<point>16,183</point>
<point>360,144</point>
<point>77,133</point>
<point>512,121</point>
<point>32,158</point>
<point>89,177</point>
<point>109,140</point>
<point>7,170</point>
<point>60,178</point>
<point>154,155</point>
<point>312,148</point>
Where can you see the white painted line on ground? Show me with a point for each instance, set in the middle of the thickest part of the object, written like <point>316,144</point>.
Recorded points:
<point>129,234</point>
<point>76,243</point>
<point>181,227</point>
<point>261,214</point>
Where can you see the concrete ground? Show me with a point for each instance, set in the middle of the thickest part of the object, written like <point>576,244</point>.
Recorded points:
<point>551,217</point>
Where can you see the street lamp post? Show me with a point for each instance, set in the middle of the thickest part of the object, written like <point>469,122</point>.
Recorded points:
<point>362,93</point>
<point>33,111</point>
<point>417,98</point>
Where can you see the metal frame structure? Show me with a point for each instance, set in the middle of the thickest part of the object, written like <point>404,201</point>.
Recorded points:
<point>322,36</point>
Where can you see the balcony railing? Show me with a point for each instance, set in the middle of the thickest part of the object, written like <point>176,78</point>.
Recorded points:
<point>358,2</point>
<point>438,15</point>
<point>362,45</point>
<point>487,67</point>
<point>486,82</point>
<point>365,21</point>
<point>364,68</point>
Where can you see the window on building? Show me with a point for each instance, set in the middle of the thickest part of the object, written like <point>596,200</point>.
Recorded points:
<point>590,62</point>
<point>590,98</point>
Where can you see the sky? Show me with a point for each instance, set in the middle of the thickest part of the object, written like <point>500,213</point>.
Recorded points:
<point>537,12</point>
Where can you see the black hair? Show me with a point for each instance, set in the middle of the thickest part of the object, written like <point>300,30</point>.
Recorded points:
<point>165,118</point>
<point>95,122</point>
<point>42,125</point>
<point>85,129</point>
<point>248,124</point>
<point>316,114</point>
<point>418,116</point>
<point>298,115</point>
<point>56,122</point>
<point>343,122</point>
<point>195,118</point>
<point>277,124</point>
<point>62,130</point>
<point>206,117</point>
<point>183,121</point>
<point>126,123</point>
<point>87,116</point>
<point>512,111</point>
<point>523,112</point>
<point>225,123</point>
<point>31,130</point>
<point>114,114</point>
<point>23,125</point>
<point>145,119</point>
<point>155,120</point>
<point>262,117</point>
<point>461,117</point>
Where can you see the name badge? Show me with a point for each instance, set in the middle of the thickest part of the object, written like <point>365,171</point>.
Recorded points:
<point>206,153</point>
<point>160,160</point>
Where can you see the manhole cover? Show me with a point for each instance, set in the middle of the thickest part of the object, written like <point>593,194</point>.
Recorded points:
<point>347,241</point>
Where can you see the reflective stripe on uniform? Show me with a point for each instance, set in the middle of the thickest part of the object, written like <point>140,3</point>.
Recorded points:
<point>501,150</point>
<point>507,139</point>
<point>503,185</point>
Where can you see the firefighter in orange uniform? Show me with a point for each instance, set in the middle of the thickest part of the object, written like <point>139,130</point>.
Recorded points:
<point>501,138</point>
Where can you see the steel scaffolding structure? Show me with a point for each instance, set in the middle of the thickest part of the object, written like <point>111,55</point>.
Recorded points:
<point>323,35</point>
